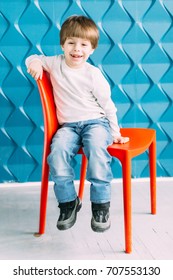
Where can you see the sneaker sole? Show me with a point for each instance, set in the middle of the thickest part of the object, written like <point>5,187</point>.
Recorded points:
<point>99,227</point>
<point>71,221</point>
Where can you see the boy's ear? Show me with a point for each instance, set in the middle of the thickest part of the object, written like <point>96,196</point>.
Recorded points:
<point>62,47</point>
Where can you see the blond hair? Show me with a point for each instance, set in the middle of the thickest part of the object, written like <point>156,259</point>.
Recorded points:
<point>80,27</point>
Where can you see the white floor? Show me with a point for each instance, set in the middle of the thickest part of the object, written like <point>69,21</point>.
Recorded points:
<point>152,234</point>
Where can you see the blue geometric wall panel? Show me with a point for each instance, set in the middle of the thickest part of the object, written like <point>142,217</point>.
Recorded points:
<point>135,53</point>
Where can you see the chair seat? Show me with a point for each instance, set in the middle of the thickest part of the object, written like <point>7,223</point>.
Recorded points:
<point>140,139</point>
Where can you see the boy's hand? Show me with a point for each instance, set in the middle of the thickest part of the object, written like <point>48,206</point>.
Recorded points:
<point>121,140</point>
<point>35,69</point>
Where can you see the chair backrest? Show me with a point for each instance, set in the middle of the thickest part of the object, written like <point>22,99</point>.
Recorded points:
<point>48,106</point>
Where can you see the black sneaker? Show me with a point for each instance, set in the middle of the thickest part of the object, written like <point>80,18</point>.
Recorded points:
<point>100,217</point>
<point>68,213</point>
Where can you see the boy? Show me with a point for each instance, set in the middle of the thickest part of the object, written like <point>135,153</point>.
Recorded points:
<point>87,118</point>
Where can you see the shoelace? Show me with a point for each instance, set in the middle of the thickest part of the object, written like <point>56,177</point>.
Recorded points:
<point>101,215</point>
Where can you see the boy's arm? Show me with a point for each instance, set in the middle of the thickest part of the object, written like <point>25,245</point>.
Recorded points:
<point>103,94</point>
<point>36,63</point>
<point>35,69</point>
<point>111,115</point>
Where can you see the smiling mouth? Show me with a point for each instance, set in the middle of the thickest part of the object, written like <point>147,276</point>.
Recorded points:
<point>76,56</point>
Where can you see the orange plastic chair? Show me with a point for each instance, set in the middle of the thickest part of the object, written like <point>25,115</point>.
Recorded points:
<point>141,139</point>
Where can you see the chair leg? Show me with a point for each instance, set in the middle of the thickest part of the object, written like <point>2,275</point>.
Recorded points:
<point>152,159</point>
<point>126,166</point>
<point>43,198</point>
<point>82,176</point>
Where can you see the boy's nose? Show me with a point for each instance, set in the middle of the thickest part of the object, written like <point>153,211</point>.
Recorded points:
<point>77,47</point>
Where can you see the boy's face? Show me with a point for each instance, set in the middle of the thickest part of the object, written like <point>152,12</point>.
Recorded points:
<point>76,51</point>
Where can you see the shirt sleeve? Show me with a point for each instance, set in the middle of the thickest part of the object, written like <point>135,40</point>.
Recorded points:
<point>46,61</point>
<point>102,93</point>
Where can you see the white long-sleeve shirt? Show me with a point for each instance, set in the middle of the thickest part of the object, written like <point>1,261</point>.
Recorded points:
<point>79,94</point>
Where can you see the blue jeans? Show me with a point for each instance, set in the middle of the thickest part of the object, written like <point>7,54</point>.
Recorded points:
<point>94,136</point>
